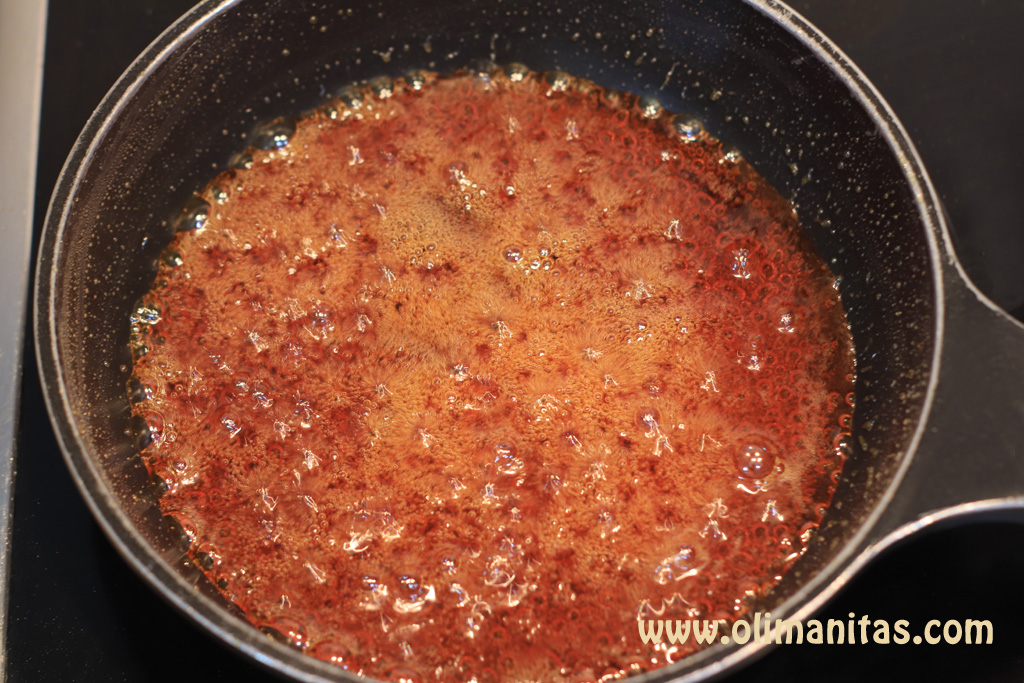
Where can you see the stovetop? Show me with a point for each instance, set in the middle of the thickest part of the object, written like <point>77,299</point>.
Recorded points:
<point>951,69</point>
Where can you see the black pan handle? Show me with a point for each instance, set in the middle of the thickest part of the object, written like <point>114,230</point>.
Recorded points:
<point>970,459</point>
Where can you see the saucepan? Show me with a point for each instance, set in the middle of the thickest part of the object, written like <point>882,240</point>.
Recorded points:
<point>940,370</point>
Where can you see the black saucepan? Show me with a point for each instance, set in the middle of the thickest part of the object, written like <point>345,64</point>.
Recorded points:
<point>939,397</point>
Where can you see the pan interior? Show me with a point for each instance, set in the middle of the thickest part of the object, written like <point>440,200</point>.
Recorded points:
<point>196,94</point>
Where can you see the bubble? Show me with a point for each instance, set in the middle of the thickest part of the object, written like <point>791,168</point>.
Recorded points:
<point>677,567</point>
<point>142,433</point>
<point>204,561</point>
<point>351,97</point>
<point>409,586</point>
<point>181,530</point>
<point>241,161</point>
<point>320,319</point>
<point>160,486</point>
<point>273,135</point>
<point>513,254</point>
<point>382,86</point>
<point>516,71</point>
<point>786,323</point>
<point>155,424</point>
<point>650,107</point>
<point>401,674</point>
<point>843,444</point>
<point>193,216</point>
<point>411,595</point>
<point>754,461</point>
<point>482,68</point>
<point>647,418</point>
<point>231,424</point>
<point>558,80</point>
<point>146,315</point>
<point>416,80</point>
<point>172,259</point>
<point>731,154</point>
<point>741,264</point>
<point>498,572</point>
<point>687,127</point>
<point>286,631</point>
<point>140,391</point>
<point>505,460</point>
<point>335,653</point>
<point>373,584</point>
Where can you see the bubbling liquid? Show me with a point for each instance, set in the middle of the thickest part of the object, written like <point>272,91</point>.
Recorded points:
<point>456,378</point>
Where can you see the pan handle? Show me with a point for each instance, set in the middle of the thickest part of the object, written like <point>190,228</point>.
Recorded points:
<point>970,460</point>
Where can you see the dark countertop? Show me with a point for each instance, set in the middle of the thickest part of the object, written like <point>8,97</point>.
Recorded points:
<point>951,71</point>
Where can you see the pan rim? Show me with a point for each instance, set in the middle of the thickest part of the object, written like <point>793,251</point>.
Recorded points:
<point>812,594</point>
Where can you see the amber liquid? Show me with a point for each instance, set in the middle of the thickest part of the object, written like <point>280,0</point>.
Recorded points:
<point>476,371</point>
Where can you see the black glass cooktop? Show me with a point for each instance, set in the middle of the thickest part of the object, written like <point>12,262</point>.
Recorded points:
<point>952,71</point>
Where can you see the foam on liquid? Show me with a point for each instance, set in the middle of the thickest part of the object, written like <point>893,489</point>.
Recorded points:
<point>464,374</point>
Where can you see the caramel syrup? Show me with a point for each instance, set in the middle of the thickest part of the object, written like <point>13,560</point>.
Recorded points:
<point>470,372</point>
